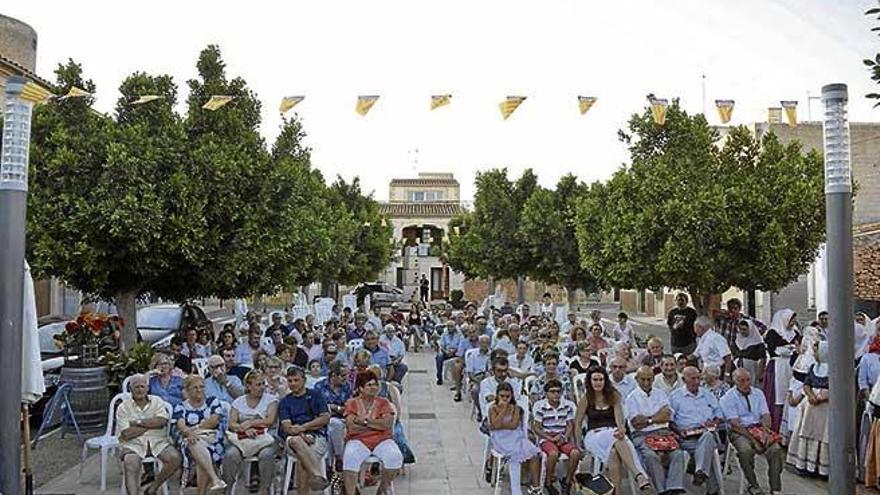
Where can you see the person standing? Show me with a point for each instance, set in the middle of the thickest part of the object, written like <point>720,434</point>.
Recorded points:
<point>424,288</point>
<point>680,321</point>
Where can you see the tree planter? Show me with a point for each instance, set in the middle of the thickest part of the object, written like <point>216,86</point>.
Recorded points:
<point>89,397</point>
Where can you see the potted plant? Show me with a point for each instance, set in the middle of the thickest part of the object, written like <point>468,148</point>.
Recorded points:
<point>121,365</point>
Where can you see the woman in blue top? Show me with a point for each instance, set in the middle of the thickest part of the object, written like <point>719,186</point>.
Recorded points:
<point>164,384</point>
<point>199,436</point>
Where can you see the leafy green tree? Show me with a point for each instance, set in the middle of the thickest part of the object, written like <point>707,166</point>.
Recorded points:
<point>690,214</point>
<point>110,207</point>
<point>548,233</point>
<point>488,244</point>
<point>873,64</point>
<point>366,231</point>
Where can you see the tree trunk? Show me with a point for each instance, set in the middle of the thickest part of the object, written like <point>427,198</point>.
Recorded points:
<point>701,303</point>
<point>751,306</point>
<point>126,306</point>
<point>572,297</point>
<point>490,289</point>
<point>520,290</point>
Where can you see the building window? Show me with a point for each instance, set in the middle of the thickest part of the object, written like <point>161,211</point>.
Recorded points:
<point>419,196</point>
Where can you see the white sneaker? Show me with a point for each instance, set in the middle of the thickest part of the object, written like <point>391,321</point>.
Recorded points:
<point>218,485</point>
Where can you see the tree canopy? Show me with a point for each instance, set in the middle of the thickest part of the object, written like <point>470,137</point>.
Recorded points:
<point>691,213</point>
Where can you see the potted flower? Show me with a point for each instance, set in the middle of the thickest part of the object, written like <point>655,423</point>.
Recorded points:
<point>84,341</point>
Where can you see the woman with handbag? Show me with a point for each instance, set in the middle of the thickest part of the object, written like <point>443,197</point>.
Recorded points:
<point>197,421</point>
<point>511,440</point>
<point>251,418</point>
<point>605,437</point>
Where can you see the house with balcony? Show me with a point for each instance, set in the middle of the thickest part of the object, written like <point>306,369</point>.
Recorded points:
<point>419,209</point>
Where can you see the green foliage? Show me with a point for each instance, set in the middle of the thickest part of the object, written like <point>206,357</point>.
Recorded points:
<point>488,242</point>
<point>873,64</point>
<point>364,229</point>
<point>547,231</point>
<point>689,214</point>
<point>456,299</point>
<point>121,365</point>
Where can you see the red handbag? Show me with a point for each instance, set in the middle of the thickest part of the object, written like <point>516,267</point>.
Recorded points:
<point>662,442</point>
<point>764,435</point>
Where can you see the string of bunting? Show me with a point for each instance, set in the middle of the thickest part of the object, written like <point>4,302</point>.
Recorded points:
<point>37,94</point>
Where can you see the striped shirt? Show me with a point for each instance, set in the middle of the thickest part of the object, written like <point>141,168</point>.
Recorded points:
<point>553,419</point>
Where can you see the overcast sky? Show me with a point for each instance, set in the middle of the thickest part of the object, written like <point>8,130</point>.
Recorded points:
<point>756,52</point>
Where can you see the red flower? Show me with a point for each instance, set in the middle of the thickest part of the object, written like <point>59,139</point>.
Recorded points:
<point>71,327</point>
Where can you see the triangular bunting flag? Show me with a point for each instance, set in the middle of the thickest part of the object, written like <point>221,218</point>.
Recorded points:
<point>35,93</point>
<point>364,104</point>
<point>658,109</point>
<point>146,99</point>
<point>774,115</point>
<point>289,102</point>
<point>217,101</point>
<point>790,112</point>
<point>75,92</point>
<point>585,102</point>
<point>510,105</point>
<point>438,101</point>
<point>725,110</point>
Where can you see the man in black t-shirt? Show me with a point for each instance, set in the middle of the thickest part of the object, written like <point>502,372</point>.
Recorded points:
<point>681,326</point>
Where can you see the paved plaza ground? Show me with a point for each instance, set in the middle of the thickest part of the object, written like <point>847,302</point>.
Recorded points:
<point>448,447</point>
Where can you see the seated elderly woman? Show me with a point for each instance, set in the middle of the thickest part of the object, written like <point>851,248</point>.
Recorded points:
<point>141,423</point>
<point>633,360</point>
<point>369,422</point>
<point>164,384</point>
<point>251,419</point>
<point>276,382</point>
<point>197,421</point>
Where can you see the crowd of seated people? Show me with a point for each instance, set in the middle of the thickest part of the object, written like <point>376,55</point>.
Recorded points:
<point>663,416</point>
<point>232,409</point>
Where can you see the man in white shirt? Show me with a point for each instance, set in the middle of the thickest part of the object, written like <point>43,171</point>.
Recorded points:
<point>648,414</point>
<point>489,385</point>
<point>141,423</point>
<point>566,327</point>
<point>623,382</point>
<point>745,409</point>
<point>712,347</point>
<point>668,379</point>
<point>522,362</point>
<point>396,352</point>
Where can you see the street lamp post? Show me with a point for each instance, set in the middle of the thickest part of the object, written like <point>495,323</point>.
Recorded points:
<point>838,228</point>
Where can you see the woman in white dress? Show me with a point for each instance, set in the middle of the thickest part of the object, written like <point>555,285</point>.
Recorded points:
<point>510,439</point>
<point>781,339</point>
<point>808,450</point>
<point>605,438</point>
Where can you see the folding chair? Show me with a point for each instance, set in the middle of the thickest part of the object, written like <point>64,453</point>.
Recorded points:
<point>730,453</point>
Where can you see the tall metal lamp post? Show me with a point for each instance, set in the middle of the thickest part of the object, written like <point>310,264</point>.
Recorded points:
<point>838,227</point>
<point>13,203</point>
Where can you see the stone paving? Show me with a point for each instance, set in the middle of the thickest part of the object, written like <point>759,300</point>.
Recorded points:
<point>447,444</point>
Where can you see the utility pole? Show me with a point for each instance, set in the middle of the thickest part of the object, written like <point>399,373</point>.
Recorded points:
<point>838,226</point>
<point>13,204</point>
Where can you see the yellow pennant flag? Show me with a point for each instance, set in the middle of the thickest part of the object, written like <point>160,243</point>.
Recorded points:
<point>289,102</point>
<point>438,101</point>
<point>364,104</point>
<point>146,99</point>
<point>217,101</point>
<point>585,102</point>
<point>774,115</point>
<point>510,105</point>
<point>35,93</point>
<point>658,109</point>
<point>790,112</point>
<point>725,110</point>
<point>75,92</point>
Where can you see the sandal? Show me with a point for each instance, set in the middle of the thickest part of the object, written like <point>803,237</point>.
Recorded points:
<point>644,484</point>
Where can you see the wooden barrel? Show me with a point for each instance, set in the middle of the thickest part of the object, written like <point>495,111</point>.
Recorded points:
<point>89,397</point>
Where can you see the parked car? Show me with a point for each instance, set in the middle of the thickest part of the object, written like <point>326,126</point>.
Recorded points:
<point>381,295</point>
<point>158,324</point>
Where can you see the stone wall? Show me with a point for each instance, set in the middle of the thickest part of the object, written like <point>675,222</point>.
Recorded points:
<point>18,42</point>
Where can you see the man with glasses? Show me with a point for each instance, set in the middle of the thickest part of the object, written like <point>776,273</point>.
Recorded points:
<point>219,384</point>
<point>553,425</point>
<point>331,352</point>
<point>488,386</point>
<point>624,383</point>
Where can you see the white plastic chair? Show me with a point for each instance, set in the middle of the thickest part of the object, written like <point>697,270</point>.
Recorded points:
<point>106,442</point>
<point>200,366</point>
<point>354,345</point>
<point>579,382</point>
<point>731,452</point>
<point>157,463</point>
<point>288,471</point>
